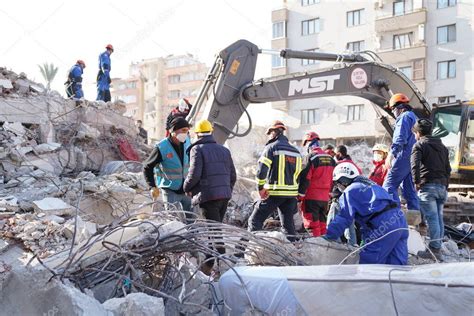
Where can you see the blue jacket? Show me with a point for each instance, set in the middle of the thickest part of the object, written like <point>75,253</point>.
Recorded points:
<point>212,173</point>
<point>75,78</point>
<point>170,173</point>
<point>361,199</point>
<point>403,138</point>
<point>103,78</point>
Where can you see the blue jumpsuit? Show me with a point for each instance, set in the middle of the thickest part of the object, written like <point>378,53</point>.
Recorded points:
<point>400,172</point>
<point>75,79</point>
<point>377,214</point>
<point>103,78</point>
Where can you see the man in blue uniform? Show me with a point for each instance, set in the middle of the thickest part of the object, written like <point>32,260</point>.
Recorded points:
<point>103,77</point>
<point>74,81</point>
<point>383,226</point>
<point>399,159</point>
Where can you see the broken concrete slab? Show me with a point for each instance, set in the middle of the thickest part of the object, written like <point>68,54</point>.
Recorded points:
<point>85,130</point>
<point>23,86</point>
<point>6,84</point>
<point>46,148</point>
<point>53,206</point>
<point>15,127</point>
<point>138,304</point>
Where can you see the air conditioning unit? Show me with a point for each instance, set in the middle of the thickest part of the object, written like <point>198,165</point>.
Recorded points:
<point>378,5</point>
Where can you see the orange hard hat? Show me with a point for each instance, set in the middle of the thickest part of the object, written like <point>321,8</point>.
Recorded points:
<point>81,62</point>
<point>275,125</point>
<point>309,136</point>
<point>109,46</point>
<point>397,98</point>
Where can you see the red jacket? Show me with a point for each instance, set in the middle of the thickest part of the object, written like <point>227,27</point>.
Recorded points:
<point>316,178</point>
<point>379,172</point>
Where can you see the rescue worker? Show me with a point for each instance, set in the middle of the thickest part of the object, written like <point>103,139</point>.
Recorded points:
<point>210,180</point>
<point>142,133</point>
<point>315,183</point>
<point>74,81</point>
<point>343,156</point>
<point>383,226</point>
<point>103,77</point>
<point>182,110</point>
<point>431,169</point>
<point>402,143</point>
<point>277,177</point>
<point>329,149</point>
<point>379,172</point>
<point>168,165</point>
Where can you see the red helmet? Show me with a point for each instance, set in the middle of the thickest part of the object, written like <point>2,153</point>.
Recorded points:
<point>81,62</point>
<point>309,136</point>
<point>109,46</point>
<point>275,125</point>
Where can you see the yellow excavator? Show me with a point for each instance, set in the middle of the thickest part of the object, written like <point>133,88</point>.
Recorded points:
<point>230,87</point>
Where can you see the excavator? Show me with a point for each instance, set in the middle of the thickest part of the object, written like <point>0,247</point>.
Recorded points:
<point>230,87</point>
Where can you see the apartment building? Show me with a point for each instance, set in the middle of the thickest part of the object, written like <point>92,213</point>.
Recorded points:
<point>430,41</point>
<point>158,84</point>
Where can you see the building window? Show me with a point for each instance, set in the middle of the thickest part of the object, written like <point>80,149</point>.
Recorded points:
<point>446,3</point>
<point>306,62</point>
<point>174,79</point>
<point>278,61</point>
<point>308,2</point>
<point>418,69</point>
<point>309,116</point>
<point>355,112</point>
<point>309,27</point>
<point>132,85</point>
<point>447,69</point>
<point>447,34</point>
<point>355,46</point>
<point>407,71</point>
<point>174,94</point>
<point>279,29</point>
<point>355,18</point>
<point>402,40</point>
<point>447,99</point>
<point>399,8</point>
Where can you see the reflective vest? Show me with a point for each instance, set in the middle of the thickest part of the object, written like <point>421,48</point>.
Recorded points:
<point>170,172</point>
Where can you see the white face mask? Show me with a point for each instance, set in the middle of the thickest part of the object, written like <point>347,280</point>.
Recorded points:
<point>181,137</point>
<point>378,157</point>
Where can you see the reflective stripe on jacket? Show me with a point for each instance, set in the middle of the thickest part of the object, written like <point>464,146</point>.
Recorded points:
<point>170,173</point>
<point>279,168</point>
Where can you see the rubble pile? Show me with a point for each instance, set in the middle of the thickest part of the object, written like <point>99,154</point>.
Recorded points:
<point>361,154</point>
<point>14,85</point>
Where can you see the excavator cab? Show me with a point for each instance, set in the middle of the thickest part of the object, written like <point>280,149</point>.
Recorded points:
<point>454,124</point>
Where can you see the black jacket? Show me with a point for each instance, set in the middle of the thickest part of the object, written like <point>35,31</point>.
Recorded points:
<point>211,173</point>
<point>430,162</point>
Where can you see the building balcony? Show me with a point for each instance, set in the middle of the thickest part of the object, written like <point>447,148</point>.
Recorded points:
<point>397,56</point>
<point>399,22</point>
<point>280,15</point>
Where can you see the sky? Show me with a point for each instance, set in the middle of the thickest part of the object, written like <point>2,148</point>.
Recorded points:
<point>60,32</point>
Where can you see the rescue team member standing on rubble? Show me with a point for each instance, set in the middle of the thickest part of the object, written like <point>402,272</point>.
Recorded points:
<point>383,226</point>
<point>380,170</point>
<point>103,77</point>
<point>210,180</point>
<point>431,169</point>
<point>315,183</point>
<point>168,166</point>
<point>277,177</point>
<point>74,81</point>
<point>402,143</point>
<point>182,110</point>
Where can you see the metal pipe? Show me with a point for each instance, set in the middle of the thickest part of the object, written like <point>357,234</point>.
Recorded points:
<point>288,54</point>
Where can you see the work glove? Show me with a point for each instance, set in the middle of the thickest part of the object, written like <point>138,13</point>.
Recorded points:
<point>154,193</point>
<point>263,194</point>
<point>300,198</point>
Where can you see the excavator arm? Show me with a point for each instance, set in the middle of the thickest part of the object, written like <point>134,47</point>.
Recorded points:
<point>230,86</point>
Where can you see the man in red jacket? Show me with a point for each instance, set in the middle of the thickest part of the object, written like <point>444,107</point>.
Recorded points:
<point>314,186</point>
<point>380,170</point>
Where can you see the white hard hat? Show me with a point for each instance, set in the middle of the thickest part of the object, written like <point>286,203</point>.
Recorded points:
<point>182,105</point>
<point>380,147</point>
<point>345,169</point>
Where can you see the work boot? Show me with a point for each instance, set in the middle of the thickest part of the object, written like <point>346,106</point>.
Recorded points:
<point>427,254</point>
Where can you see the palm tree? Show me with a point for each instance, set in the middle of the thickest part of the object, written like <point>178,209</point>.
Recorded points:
<point>48,71</point>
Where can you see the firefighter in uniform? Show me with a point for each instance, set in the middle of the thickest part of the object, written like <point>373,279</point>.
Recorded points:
<point>277,177</point>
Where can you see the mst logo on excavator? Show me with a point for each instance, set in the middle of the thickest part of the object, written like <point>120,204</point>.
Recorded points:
<point>312,85</point>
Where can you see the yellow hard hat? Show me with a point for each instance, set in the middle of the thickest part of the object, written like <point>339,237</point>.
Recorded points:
<point>203,126</point>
